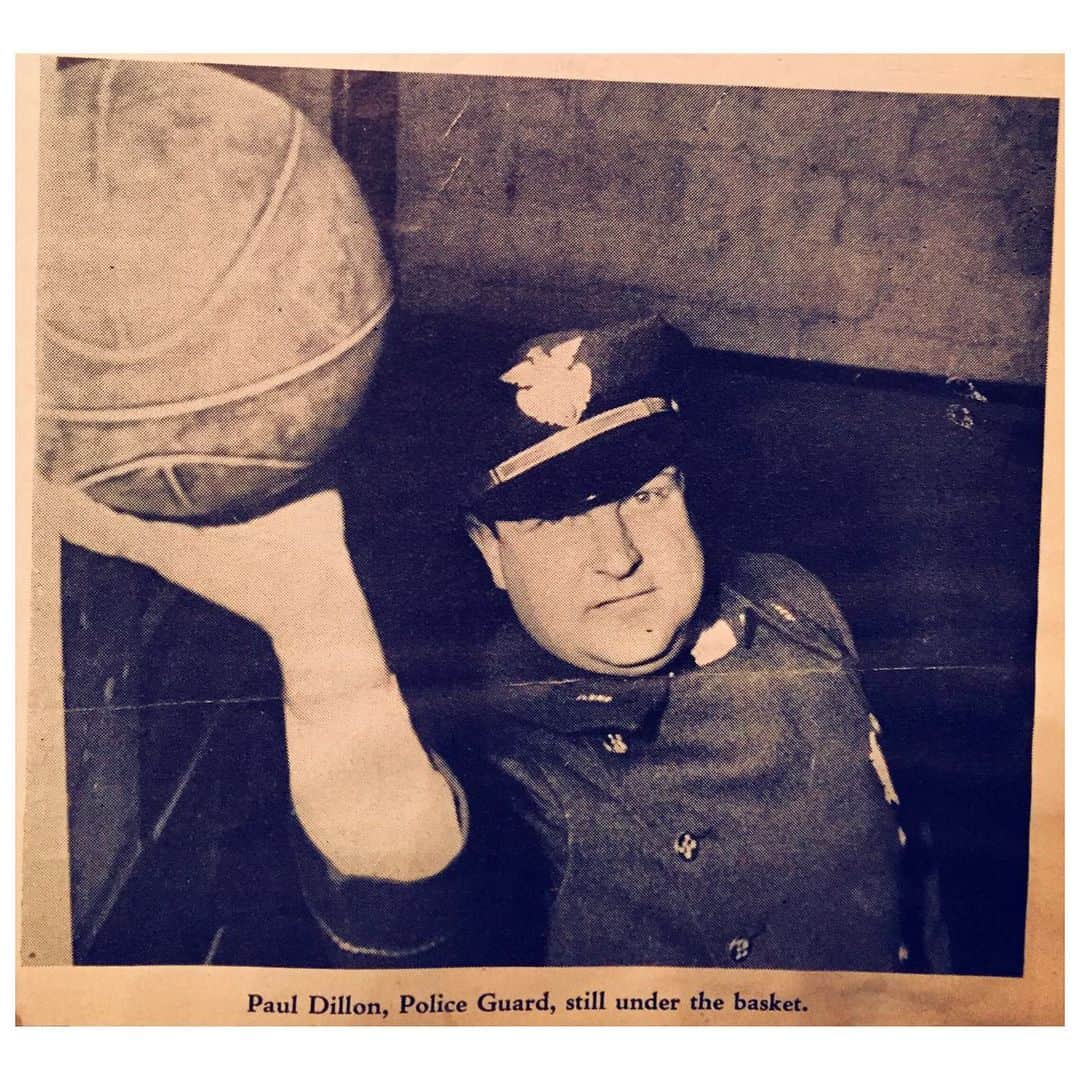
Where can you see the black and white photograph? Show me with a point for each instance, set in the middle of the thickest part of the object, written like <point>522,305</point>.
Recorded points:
<point>518,522</point>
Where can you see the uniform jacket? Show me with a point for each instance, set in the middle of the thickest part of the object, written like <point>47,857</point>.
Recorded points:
<point>735,810</point>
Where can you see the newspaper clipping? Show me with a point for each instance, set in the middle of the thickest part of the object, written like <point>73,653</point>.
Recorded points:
<point>537,541</point>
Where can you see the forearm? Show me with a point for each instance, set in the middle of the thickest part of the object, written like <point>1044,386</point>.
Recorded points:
<point>363,787</point>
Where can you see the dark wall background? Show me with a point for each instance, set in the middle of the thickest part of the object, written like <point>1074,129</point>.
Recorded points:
<point>898,231</point>
<point>866,277</point>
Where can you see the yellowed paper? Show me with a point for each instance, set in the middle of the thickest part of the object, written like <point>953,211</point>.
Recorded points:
<point>883,228</point>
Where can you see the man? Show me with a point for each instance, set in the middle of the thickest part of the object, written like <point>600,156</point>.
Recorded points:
<point>664,762</point>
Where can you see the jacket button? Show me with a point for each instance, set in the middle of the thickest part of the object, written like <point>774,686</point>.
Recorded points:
<point>739,949</point>
<point>614,743</point>
<point>686,845</point>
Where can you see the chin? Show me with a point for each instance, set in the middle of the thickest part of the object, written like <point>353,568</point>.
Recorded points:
<point>643,660</point>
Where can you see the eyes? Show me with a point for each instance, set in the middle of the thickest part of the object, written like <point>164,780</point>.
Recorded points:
<point>647,498</point>
<point>648,495</point>
<point>653,494</point>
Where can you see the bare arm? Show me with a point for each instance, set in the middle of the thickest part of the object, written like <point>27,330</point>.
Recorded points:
<point>362,785</point>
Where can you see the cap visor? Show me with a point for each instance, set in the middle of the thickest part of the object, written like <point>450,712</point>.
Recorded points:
<point>604,469</point>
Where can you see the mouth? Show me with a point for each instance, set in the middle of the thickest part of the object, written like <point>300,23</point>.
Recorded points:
<point>614,601</point>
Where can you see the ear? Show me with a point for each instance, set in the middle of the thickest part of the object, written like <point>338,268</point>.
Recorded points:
<point>487,543</point>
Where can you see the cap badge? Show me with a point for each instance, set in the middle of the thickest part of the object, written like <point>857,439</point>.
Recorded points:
<point>553,387</point>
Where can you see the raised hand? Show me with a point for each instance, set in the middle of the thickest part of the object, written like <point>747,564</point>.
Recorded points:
<point>362,784</point>
<point>288,571</point>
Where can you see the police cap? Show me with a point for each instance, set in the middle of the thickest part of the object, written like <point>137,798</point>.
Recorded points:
<point>578,418</point>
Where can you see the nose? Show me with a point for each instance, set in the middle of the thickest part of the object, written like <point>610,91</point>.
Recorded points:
<point>612,550</point>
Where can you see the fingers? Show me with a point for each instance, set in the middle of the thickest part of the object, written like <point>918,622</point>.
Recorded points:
<point>305,536</point>
<point>288,571</point>
<point>81,520</point>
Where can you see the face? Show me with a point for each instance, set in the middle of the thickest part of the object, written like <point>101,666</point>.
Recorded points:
<point>611,590</point>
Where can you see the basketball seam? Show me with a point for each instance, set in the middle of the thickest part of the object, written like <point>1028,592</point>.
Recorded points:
<point>166,462</point>
<point>240,261</point>
<point>103,102</point>
<point>167,409</point>
<point>182,497</point>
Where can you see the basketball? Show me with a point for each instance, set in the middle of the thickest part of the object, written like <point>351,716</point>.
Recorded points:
<point>212,291</point>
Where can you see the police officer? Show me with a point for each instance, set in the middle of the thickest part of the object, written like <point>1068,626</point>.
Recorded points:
<point>665,762</point>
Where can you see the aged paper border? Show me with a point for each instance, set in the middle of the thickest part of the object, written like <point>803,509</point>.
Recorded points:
<point>58,993</point>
